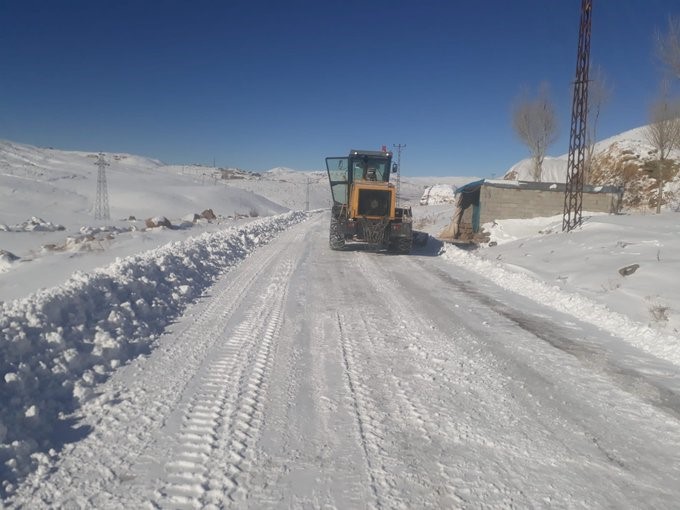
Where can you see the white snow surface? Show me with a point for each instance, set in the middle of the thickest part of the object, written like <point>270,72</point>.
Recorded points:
<point>241,363</point>
<point>554,169</point>
<point>438,194</point>
<point>578,272</point>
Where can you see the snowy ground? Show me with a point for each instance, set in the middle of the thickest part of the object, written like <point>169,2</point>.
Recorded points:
<point>238,362</point>
<point>310,378</point>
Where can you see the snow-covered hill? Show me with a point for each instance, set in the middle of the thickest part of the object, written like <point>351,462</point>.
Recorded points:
<point>555,168</point>
<point>40,187</point>
<point>618,161</point>
<point>61,187</point>
<point>290,188</point>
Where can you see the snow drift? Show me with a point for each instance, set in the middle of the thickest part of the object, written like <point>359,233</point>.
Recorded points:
<point>56,344</point>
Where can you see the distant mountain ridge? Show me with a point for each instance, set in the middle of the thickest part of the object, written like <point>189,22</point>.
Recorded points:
<point>61,187</point>
<point>14,154</point>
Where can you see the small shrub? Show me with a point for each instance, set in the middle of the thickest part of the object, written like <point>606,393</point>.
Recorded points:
<point>420,223</point>
<point>659,313</point>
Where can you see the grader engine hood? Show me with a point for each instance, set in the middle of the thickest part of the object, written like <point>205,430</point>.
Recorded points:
<point>376,200</point>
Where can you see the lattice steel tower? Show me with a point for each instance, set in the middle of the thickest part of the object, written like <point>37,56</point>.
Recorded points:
<point>573,193</point>
<point>101,205</point>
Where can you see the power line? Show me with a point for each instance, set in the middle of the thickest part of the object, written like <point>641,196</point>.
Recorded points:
<point>101,205</point>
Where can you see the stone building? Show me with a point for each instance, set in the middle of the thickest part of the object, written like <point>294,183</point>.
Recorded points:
<point>484,201</point>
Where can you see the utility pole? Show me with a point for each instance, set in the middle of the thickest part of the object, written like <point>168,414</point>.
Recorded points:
<point>399,147</point>
<point>101,205</point>
<point>573,193</point>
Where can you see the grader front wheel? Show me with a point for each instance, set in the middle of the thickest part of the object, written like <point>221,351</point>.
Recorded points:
<point>336,236</point>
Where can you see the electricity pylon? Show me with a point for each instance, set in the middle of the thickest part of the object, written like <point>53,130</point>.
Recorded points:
<point>399,147</point>
<point>101,205</point>
<point>573,192</point>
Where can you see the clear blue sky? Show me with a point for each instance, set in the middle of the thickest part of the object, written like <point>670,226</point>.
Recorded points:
<point>258,84</point>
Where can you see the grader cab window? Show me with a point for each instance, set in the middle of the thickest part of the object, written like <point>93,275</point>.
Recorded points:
<point>370,169</point>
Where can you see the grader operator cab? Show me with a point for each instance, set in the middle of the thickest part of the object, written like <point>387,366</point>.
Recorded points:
<point>364,203</point>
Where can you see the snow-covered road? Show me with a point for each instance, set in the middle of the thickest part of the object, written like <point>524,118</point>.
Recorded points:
<point>308,378</point>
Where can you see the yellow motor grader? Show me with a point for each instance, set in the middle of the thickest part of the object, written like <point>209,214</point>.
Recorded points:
<point>365,203</point>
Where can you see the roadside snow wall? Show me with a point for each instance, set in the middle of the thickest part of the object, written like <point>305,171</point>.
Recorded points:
<point>57,344</point>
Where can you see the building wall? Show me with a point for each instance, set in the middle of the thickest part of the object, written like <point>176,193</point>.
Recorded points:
<point>503,203</point>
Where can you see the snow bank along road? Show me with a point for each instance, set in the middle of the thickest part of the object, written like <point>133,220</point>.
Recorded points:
<point>308,378</point>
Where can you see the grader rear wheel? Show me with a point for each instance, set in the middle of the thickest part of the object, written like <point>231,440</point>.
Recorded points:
<point>404,245</point>
<point>401,245</point>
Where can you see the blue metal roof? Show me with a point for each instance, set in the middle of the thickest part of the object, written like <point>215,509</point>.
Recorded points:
<point>470,187</point>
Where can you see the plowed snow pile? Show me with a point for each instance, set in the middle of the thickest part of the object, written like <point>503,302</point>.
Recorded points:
<point>57,344</point>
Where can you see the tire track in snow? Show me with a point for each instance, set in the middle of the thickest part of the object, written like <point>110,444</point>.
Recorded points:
<point>181,361</point>
<point>385,413</point>
<point>247,417</point>
<point>222,421</point>
<point>310,454</point>
<point>412,405</point>
<point>405,352</point>
<point>387,408</point>
<point>366,425</point>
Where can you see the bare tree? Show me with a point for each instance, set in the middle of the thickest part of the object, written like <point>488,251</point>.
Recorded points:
<point>663,133</point>
<point>668,46</point>
<point>599,93</point>
<point>535,123</point>
<point>627,172</point>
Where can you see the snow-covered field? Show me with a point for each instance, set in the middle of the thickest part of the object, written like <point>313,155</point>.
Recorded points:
<point>86,304</point>
<point>584,272</point>
<point>586,261</point>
